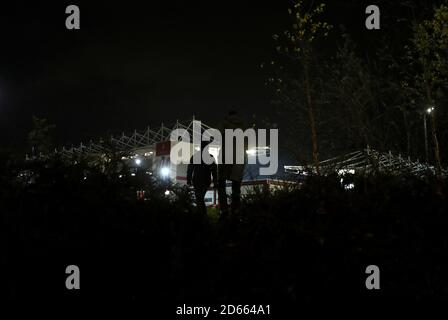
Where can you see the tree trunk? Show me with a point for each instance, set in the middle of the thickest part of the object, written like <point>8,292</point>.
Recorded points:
<point>436,147</point>
<point>434,135</point>
<point>311,118</point>
<point>408,134</point>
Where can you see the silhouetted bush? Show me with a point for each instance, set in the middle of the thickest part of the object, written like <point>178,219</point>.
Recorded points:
<point>307,243</point>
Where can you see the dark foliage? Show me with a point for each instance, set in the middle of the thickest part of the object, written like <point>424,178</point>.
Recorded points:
<point>306,244</point>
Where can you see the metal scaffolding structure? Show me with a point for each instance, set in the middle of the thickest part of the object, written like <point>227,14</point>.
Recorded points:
<point>368,160</point>
<point>130,143</point>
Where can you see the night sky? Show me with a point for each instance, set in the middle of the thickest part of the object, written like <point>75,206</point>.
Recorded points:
<point>135,63</point>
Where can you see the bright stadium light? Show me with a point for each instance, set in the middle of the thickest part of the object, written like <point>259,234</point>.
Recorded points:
<point>251,152</point>
<point>138,161</point>
<point>349,186</point>
<point>346,171</point>
<point>165,171</point>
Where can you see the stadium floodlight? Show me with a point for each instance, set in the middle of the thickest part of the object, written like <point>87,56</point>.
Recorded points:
<point>165,171</point>
<point>251,152</point>
<point>346,171</point>
<point>349,186</point>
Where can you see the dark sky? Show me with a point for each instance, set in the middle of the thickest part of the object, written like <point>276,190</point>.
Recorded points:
<point>135,63</point>
<point>131,64</point>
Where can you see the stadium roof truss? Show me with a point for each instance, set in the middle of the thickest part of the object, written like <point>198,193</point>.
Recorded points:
<point>129,143</point>
<point>367,160</point>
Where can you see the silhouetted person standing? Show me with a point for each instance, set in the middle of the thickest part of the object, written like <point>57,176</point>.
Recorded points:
<point>199,175</point>
<point>230,171</point>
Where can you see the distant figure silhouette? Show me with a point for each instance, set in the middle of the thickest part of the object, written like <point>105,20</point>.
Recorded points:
<point>233,172</point>
<point>199,175</point>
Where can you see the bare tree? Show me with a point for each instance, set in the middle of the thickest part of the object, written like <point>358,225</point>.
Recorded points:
<point>297,47</point>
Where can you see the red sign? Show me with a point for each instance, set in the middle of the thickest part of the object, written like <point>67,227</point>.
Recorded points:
<point>163,148</point>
